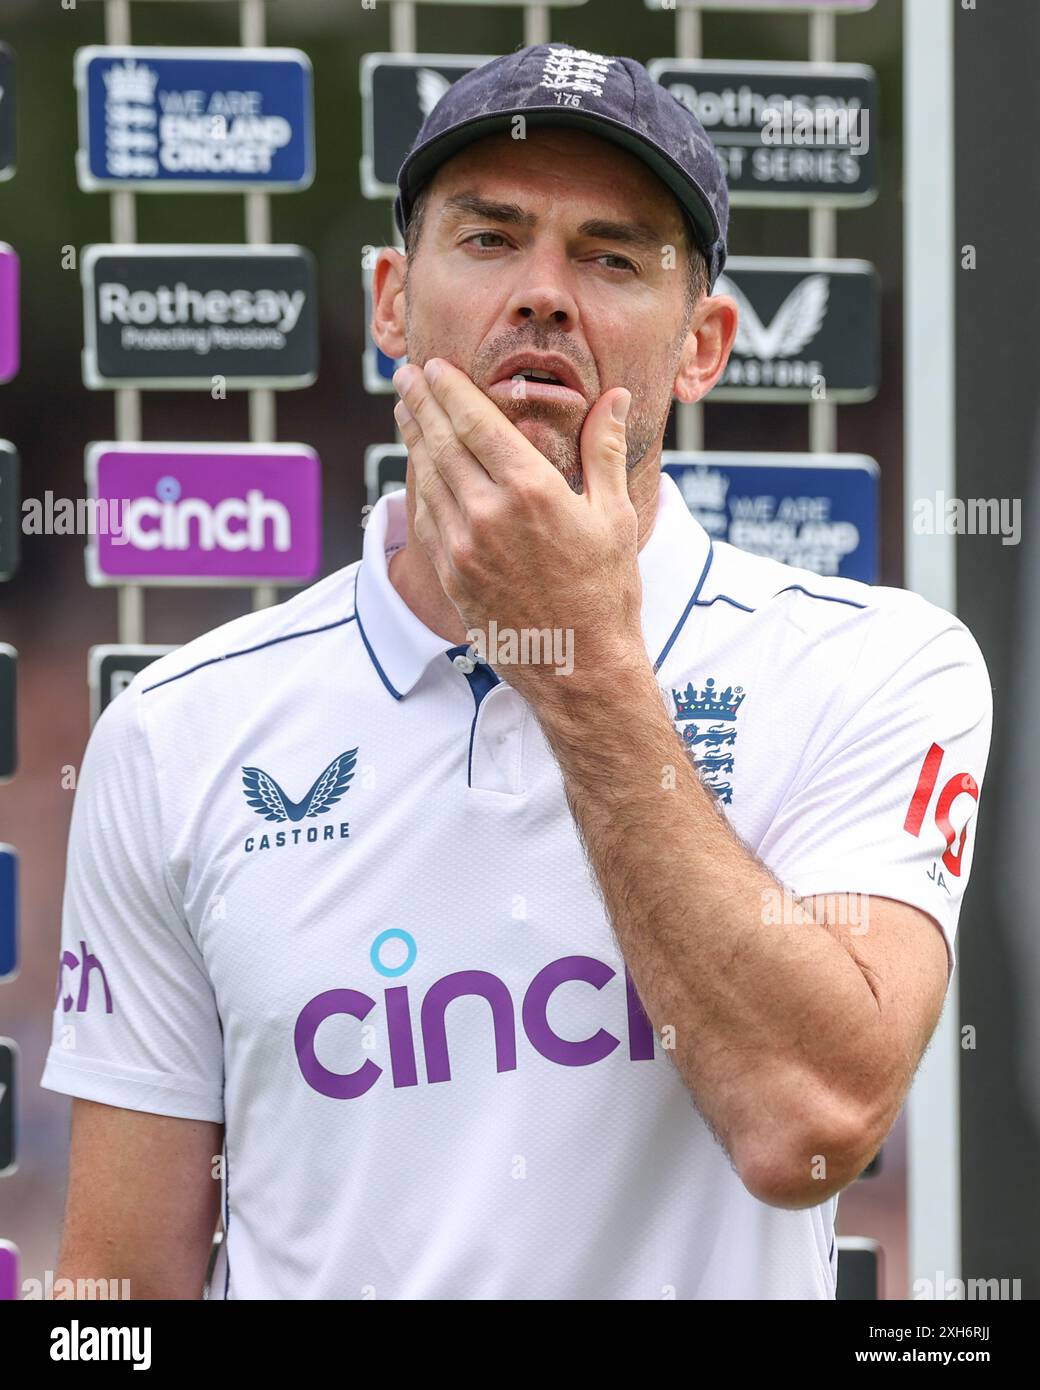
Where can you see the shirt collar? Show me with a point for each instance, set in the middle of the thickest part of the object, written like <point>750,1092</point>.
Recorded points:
<point>673,565</point>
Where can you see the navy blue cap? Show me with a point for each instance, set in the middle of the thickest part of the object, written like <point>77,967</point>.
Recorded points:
<point>615,98</point>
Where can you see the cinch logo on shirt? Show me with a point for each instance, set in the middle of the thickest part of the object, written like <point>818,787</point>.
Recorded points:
<point>718,709</point>
<point>269,801</point>
<point>88,965</point>
<point>400,1032</point>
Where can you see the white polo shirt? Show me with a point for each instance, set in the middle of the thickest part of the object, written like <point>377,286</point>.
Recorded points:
<point>323,886</point>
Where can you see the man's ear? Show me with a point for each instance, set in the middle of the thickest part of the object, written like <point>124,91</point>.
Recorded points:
<point>387,325</point>
<point>709,342</point>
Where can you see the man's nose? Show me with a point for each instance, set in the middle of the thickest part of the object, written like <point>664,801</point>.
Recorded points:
<point>544,297</point>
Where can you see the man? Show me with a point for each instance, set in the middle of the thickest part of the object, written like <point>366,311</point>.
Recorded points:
<point>617,905</point>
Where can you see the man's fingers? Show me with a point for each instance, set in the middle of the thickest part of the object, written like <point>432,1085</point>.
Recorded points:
<point>502,449</point>
<point>458,466</point>
<point>432,491</point>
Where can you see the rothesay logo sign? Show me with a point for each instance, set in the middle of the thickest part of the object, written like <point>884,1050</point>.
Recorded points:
<point>193,316</point>
<point>785,134</point>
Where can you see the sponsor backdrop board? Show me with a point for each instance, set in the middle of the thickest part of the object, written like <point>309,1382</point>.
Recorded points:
<point>809,329</point>
<point>8,113</point>
<point>112,666</point>
<point>10,331</point>
<point>860,1269</point>
<point>171,119</point>
<point>8,1107</point>
<point>786,134</point>
<point>10,1283</point>
<point>8,711</point>
<point>816,511</point>
<point>8,913</point>
<point>385,469</point>
<point>398,92</point>
<point>176,317</point>
<point>10,509</point>
<point>204,513</point>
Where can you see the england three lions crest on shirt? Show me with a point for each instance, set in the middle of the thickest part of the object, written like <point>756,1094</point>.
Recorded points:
<point>706,721</point>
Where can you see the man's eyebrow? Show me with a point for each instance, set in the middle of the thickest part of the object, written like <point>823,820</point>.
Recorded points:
<point>626,233</point>
<point>477,206</point>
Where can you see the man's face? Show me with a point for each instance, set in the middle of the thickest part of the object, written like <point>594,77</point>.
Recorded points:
<point>558,244</point>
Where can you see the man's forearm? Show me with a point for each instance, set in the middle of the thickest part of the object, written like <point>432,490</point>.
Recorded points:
<point>772,1026</point>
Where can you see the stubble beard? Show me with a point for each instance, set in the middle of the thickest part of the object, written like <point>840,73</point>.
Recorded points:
<point>559,438</point>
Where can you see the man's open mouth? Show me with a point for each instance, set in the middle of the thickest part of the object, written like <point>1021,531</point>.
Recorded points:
<point>545,377</point>
<point>539,376</point>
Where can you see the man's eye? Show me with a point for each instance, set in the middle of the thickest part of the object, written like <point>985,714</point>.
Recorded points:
<point>625,264</point>
<point>477,235</point>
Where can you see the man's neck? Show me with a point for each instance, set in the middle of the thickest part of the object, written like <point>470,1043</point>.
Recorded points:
<point>415,579</point>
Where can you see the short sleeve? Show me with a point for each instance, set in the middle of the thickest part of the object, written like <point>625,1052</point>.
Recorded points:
<point>135,1019</point>
<point>889,805</point>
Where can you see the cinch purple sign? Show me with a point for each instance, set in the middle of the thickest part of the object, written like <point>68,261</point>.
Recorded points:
<point>8,1271</point>
<point>9,335</point>
<point>204,514</point>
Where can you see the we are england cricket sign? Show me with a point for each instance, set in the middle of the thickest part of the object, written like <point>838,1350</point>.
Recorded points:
<point>194,118</point>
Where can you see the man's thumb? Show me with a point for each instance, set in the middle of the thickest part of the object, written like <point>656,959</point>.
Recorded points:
<point>604,447</point>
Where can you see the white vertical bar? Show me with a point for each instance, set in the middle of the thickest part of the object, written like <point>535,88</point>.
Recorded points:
<point>252,23</point>
<point>823,242</point>
<point>933,1117</point>
<point>402,40</point>
<point>402,26</point>
<point>689,39</point>
<point>117,21</point>
<point>127,403</point>
<point>262,422</point>
<point>536,24</point>
<point>821,38</point>
<point>689,419</point>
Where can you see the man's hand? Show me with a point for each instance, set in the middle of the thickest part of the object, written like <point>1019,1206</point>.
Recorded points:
<point>509,539</point>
